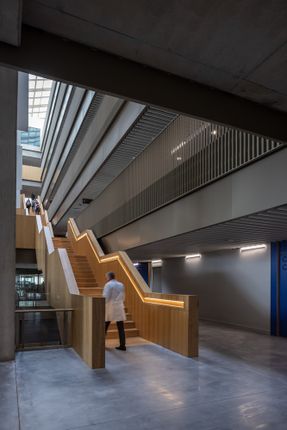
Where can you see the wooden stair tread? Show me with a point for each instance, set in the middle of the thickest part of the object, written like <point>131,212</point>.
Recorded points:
<point>85,284</point>
<point>88,277</point>
<point>83,279</point>
<point>128,325</point>
<point>89,286</point>
<point>87,281</point>
<point>130,332</point>
<point>91,293</point>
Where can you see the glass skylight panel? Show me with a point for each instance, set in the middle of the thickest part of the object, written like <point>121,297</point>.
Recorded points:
<point>39,94</point>
<point>39,84</point>
<point>47,83</point>
<point>31,85</point>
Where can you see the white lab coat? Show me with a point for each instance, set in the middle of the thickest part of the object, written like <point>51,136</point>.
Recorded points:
<point>114,293</point>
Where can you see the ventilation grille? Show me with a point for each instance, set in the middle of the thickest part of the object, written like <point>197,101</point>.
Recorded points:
<point>151,123</point>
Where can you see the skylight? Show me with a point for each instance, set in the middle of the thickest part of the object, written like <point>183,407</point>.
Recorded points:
<point>39,94</point>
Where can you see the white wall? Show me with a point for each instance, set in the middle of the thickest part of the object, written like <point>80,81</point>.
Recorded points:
<point>233,287</point>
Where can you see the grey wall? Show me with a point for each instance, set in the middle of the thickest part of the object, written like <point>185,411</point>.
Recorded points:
<point>233,288</point>
<point>156,283</point>
<point>22,101</point>
<point>8,122</point>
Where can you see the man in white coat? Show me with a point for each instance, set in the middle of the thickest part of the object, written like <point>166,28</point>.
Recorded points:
<point>114,293</point>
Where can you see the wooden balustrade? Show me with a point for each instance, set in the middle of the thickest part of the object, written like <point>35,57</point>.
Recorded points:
<point>25,232</point>
<point>169,320</point>
<point>87,330</point>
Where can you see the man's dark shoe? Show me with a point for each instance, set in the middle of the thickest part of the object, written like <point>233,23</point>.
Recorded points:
<point>121,348</point>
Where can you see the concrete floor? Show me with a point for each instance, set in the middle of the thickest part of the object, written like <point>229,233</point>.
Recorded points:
<point>238,382</point>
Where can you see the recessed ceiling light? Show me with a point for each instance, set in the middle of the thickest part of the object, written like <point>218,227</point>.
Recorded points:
<point>214,132</point>
<point>252,247</point>
<point>191,256</point>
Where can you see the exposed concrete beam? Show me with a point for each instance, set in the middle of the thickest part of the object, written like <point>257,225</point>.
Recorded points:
<point>32,158</point>
<point>22,101</point>
<point>51,56</point>
<point>10,21</point>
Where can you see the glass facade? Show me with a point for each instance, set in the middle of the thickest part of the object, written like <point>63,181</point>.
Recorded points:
<point>30,291</point>
<point>31,137</point>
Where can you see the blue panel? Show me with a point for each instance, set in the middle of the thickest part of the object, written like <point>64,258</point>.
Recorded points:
<point>283,288</point>
<point>143,269</point>
<point>274,269</point>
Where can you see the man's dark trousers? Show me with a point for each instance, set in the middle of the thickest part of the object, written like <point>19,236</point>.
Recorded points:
<point>121,330</point>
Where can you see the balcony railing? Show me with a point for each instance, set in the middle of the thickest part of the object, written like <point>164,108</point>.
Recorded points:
<point>38,328</point>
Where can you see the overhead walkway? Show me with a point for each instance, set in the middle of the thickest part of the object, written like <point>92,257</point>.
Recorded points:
<point>74,270</point>
<point>244,206</point>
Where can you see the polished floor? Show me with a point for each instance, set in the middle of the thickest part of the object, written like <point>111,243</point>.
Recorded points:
<point>238,382</point>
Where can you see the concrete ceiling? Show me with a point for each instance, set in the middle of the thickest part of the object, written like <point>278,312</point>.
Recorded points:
<point>261,227</point>
<point>10,21</point>
<point>238,47</point>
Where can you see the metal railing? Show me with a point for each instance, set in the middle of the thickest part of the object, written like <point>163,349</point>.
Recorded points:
<point>41,328</point>
<point>188,155</point>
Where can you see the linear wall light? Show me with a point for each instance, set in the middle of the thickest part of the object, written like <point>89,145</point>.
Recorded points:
<point>156,263</point>
<point>136,264</point>
<point>191,256</point>
<point>252,247</point>
<point>104,259</point>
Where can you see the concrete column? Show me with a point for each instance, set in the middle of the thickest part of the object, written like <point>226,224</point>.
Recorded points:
<point>8,121</point>
<point>19,164</point>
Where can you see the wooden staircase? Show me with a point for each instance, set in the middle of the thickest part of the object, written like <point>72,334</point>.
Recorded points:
<point>88,285</point>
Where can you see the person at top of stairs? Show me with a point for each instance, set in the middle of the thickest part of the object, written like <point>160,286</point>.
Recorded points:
<point>114,293</point>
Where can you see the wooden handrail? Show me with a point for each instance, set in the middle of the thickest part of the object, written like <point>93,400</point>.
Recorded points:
<point>136,280</point>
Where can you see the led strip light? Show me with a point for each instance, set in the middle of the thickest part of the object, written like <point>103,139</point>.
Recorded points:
<point>151,300</point>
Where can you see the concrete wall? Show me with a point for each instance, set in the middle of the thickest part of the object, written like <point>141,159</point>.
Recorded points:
<point>22,101</point>
<point>233,288</point>
<point>8,122</point>
<point>156,284</point>
<point>19,161</point>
